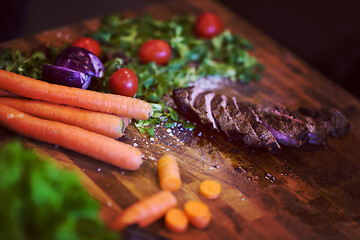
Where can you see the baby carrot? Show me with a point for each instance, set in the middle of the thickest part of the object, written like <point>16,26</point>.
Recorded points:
<point>210,189</point>
<point>74,138</point>
<point>169,173</point>
<point>91,100</point>
<point>107,124</point>
<point>146,211</point>
<point>176,220</point>
<point>198,213</point>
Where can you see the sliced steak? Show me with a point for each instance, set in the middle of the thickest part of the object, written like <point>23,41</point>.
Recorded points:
<point>333,120</point>
<point>184,100</point>
<point>202,105</point>
<point>257,125</point>
<point>288,131</point>
<point>267,139</point>
<point>248,134</point>
<point>317,133</point>
<point>223,118</point>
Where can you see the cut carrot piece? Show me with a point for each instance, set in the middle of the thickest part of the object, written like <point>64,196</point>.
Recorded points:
<point>210,189</point>
<point>146,211</point>
<point>176,220</point>
<point>169,173</point>
<point>107,124</point>
<point>74,138</point>
<point>91,100</point>
<point>198,213</point>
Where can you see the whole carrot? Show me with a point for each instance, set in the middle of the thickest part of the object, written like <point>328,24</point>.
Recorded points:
<point>146,211</point>
<point>91,100</point>
<point>169,173</point>
<point>74,138</point>
<point>107,124</point>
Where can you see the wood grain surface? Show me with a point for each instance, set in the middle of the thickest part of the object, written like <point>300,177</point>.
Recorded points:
<point>307,193</point>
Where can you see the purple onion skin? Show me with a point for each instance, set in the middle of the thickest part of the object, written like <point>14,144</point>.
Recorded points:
<point>64,76</point>
<point>80,59</point>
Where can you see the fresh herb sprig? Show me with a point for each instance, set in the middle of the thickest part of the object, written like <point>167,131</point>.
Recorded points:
<point>226,55</point>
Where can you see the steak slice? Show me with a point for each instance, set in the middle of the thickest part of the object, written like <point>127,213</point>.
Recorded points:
<point>288,131</point>
<point>333,120</point>
<point>266,137</point>
<point>184,100</point>
<point>248,134</point>
<point>223,118</point>
<point>317,133</point>
<point>202,104</point>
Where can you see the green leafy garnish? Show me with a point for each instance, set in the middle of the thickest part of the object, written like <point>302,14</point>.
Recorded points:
<point>16,61</point>
<point>225,55</point>
<point>164,115</point>
<point>40,200</point>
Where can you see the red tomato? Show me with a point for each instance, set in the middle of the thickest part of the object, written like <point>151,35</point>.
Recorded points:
<point>155,50</point>
<point>208,25</point>
<point>124,82</point>
<point>89,44</point>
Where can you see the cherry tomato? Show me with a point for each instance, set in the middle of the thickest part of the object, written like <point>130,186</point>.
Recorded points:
<point>208,25</point>
<point>124,82</point>
<point>155,50</point>
<point>89,44</point>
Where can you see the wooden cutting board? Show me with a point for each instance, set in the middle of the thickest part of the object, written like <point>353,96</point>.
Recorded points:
<point>307,193</point>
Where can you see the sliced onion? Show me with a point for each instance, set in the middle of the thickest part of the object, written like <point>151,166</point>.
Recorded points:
<point>80,59</point>
<point>64,76</point>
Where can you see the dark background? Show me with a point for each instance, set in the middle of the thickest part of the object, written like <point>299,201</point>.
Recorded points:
<point>326,34</point>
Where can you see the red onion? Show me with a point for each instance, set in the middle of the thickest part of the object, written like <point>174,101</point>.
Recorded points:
<point>80,59</point>
<point>65,76</point>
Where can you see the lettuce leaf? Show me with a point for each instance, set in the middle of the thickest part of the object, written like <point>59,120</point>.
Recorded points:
<point>40,200</point>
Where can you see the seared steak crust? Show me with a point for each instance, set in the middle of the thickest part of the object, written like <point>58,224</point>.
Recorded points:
<point>317,133</point>
<point>246,132</point>
<point>267,139</point>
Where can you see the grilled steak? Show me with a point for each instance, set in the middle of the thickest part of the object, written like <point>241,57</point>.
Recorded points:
<point>288,131</point>
<point>317,133</point>
<point>202,104</point>
<point>184,99</point>
<point>256,125</point>
<point>333,120</point>
<point>247,133</point>
<point>223,118</point>
<point>267,139</point>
